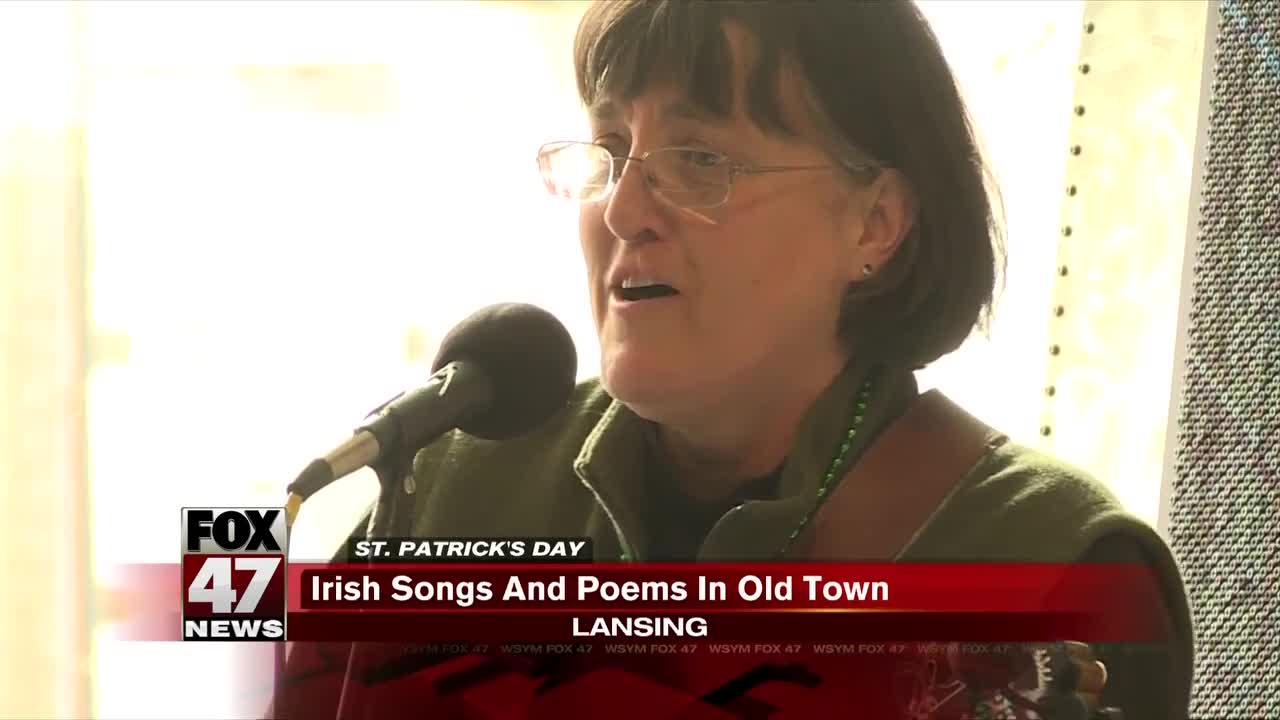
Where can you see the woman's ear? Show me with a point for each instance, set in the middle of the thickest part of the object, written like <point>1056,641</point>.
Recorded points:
<point>890,211</point>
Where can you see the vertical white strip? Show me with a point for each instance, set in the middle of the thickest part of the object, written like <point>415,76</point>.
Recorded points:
<point>1114,312</point>
<point>42,647</point>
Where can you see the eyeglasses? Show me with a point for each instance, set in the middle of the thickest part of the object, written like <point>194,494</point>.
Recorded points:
<point>685,177</point>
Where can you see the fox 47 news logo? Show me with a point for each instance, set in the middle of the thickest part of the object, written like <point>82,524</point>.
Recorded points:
<point>233,573</point>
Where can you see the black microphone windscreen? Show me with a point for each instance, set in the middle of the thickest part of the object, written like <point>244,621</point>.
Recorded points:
<point>528,356</point>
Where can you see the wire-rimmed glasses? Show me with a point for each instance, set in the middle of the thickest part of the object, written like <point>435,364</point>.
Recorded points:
<point>686,177</point>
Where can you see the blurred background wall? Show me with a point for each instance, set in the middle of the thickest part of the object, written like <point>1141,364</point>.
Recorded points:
<point>227,230</point>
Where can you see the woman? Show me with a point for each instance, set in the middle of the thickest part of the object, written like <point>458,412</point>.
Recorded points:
<point>783,213</point>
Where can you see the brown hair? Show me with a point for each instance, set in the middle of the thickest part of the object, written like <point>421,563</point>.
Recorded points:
<point>881,88</point>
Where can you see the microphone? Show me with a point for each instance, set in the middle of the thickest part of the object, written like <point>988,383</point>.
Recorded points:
<point>499,373</point>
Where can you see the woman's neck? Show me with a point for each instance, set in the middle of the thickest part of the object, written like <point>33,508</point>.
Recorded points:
<point>744,437</point>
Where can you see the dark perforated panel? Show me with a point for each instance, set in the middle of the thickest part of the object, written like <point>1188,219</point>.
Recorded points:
<point>1225,516</point>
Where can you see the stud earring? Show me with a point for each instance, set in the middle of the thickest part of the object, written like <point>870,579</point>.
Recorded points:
<point>866,270</point>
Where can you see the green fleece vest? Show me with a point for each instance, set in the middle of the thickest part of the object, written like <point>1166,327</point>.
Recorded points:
<point>582,474</point>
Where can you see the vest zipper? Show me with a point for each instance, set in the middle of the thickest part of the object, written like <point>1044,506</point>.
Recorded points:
<point>628,553</point>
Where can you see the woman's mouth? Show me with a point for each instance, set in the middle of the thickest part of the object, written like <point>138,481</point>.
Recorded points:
<point>635,289</point>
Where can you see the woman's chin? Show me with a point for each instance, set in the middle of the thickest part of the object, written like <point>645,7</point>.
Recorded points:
<point>645,385</point>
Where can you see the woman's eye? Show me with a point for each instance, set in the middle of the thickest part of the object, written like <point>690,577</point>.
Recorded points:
<point>616,146</point>
<point>701,158</point>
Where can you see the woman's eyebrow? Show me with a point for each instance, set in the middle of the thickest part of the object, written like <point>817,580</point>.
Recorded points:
<point>685,110</point>
<point>607,111</point>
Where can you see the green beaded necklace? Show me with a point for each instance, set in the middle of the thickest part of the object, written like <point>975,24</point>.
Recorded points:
<point>829,480</point>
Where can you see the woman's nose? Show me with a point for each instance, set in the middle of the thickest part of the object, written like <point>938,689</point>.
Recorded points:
<point>632,213</point>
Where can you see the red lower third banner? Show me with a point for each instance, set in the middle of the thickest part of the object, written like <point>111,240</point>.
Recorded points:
<point>898,641</point>
<point>699,604</point>
<point>801,603</point>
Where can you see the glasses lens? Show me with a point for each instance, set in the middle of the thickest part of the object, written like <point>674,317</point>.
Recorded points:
<point>689,177</point>
<point>579,171</point>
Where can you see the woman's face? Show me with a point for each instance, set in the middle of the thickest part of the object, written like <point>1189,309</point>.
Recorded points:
<point>758,281</point>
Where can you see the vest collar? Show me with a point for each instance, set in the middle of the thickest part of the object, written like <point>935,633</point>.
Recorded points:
<point>612,462</point>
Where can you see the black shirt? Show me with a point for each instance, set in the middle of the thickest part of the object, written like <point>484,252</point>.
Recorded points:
<point>676,524</point>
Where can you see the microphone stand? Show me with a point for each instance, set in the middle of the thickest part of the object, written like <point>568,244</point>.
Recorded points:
<point>391,474</point>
